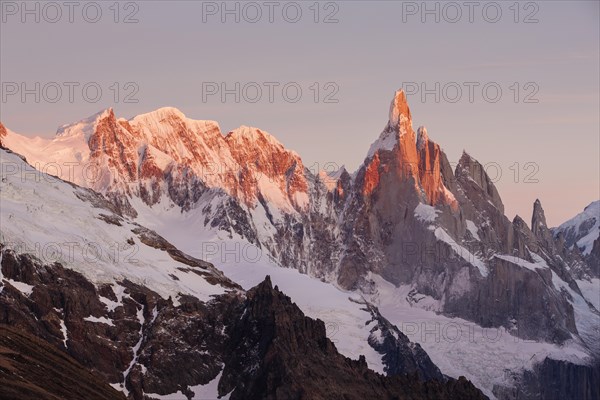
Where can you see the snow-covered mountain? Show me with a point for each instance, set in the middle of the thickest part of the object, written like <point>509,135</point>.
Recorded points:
<point>583,229</point>
<point>163,152</point>
<point>405,232</point>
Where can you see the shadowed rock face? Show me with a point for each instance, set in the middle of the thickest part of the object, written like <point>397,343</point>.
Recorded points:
<point>539,226</point>
<point>470,169</point>
<point>593,258</point>
<point>511,292</point>
<point>554,380</point>
<point>262,342</point>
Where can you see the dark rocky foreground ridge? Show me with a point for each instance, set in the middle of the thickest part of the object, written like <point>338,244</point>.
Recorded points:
<point>264,345</point>
<point>31,368</point>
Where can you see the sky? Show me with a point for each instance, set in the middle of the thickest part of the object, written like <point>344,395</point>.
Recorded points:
<point>516,85</point>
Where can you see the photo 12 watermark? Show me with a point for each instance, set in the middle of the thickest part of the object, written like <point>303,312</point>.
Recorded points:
<point>69,92</point>
<point>253,12</point>
<point>73,251</point>
<point>453,12</point>
<point>53,12</point>
<point>270,92</point>
<point>472,92</point>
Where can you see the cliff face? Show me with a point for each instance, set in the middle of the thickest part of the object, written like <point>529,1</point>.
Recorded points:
<point>554,380</point>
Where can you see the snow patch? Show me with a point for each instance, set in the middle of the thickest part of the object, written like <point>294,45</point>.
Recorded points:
<point>101,320</point>
<point>386,141</point>
<point>377,336</point>
<point>426,213</point>
<point>207,391</point>
<point>63,328</point>
<point>520,262</point>
<point>21,287</point>
<point>442,235</point>
<point>135,350</point>
<point>472,228</point>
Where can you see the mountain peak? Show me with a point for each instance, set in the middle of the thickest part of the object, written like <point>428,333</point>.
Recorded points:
<point>469,169</point>
<point>86,126</point>
<point>161,113</point>
<point>594,205</point>
<point>539,226</point>
<point>518,221</point>
<point>398,109</point>
<point>422,137</point>
<point>399,125</point>
<point>538,219</point>
<point>251,134</point>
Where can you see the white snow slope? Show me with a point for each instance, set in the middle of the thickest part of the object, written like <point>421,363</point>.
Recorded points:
<point>585,226</point>
<point>46,217</point>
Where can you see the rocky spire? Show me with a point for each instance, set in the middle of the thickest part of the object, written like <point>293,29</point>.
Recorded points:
<point>538,219</point>
<point>433,166</point>
<point>418,162</point>
<point>399,109</point>
<point>422,137</point>
<point>398,131</point>
<point>400,124</point>
<point>468,167</point>
<point>539,226</point>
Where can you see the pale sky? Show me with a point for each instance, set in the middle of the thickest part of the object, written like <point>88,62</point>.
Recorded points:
<point>373,49</point>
